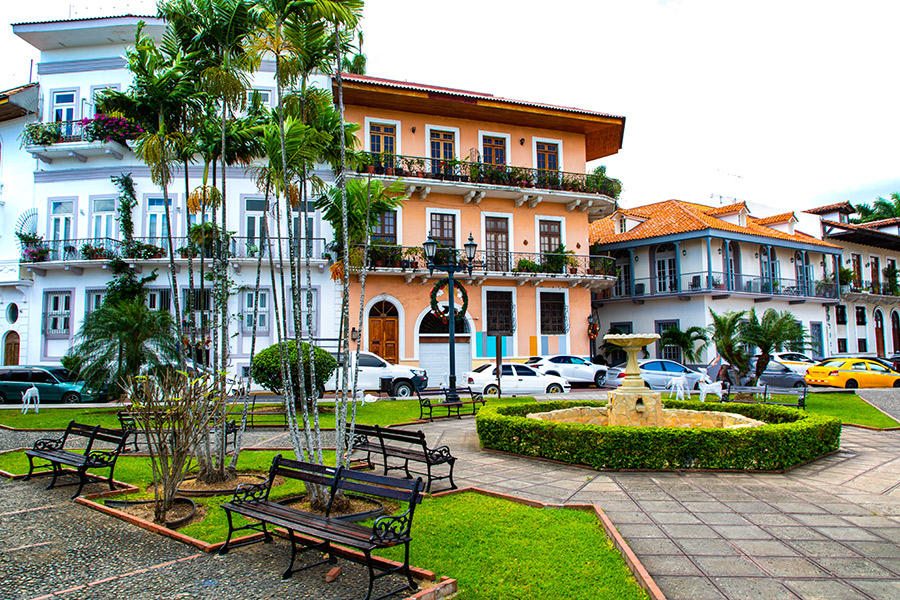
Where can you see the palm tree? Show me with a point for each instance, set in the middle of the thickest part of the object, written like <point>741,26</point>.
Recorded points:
<point>123,339</point>
<point>725,333</point>
<point>881,208</point>
<point>686,341</point>
<point>774,332</point>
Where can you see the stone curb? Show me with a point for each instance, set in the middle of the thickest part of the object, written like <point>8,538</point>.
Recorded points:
<point>643,577</point>
<point>444,587</point>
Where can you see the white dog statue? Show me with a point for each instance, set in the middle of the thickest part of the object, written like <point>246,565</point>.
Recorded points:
<point>710,388</point>
<point>29,397</point>
<point>679,385</point>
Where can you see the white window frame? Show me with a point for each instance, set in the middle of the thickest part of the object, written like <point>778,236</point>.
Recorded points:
<point>157,294</point>
<point>559,157</point>
<point>481,135</point>
<point>444,211</point>
<point>537,320</point>
<point>76,105</point>
<point>89,296</point>
<point>262,312</point>
<point>537,231</point>
<point>73,230</point>
<point>367,142</point>
<point>114,227</point>
<point>430,128</point>
<point>48,295</point>
<point>161,234</point>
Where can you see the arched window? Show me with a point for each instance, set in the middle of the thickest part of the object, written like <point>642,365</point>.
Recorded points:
<point>434,325</point>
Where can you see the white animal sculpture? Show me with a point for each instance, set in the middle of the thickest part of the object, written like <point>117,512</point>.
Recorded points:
<point>679,385</point>
<point>710,388</point>
<point>29,397</point>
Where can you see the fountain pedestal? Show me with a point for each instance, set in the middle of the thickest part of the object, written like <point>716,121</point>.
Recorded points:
<point>634,404</point>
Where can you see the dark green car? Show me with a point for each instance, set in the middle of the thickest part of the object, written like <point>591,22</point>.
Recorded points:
<point>55,385</point>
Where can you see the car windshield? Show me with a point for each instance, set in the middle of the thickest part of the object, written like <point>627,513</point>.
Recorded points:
<point>63,374</point>
<point>835,362</point>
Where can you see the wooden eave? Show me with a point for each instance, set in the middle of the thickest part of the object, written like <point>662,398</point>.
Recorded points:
<point>603,134</point>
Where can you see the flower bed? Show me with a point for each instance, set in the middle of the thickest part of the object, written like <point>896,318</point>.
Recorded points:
<point>789,438</point>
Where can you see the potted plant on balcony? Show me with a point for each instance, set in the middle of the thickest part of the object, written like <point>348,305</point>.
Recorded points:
<point>525,265</point>
<point>91,252</point>
<point>558,260</point>
<point>412,257</point>
<point>109,129</point>
<point>35,253</point>
<point>41,134</point>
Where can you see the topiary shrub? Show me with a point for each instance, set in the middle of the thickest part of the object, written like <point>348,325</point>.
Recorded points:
<point>267,369</point>
<point>790,437</point>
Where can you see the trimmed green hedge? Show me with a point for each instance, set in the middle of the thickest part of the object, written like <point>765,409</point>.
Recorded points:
<point>790,437</point>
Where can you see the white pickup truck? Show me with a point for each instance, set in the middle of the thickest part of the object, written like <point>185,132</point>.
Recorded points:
<point>372,368</point>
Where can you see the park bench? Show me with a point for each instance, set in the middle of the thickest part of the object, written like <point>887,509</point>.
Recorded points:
<point>266,418</point>
<point>129,421</point>
<point>766,391</point>
<point>252,502</point>
<point>427,405</point>
<point>373,439</point>
<point>54,451</point>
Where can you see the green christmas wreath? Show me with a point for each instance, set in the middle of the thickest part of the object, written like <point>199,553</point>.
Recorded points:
<point>443,313</point>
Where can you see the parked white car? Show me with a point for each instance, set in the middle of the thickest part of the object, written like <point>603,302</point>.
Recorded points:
<point>515,380</point>
<point>372,368</point>
<point>656,373</point>
<point>794,360</point>
<point>573,368</point>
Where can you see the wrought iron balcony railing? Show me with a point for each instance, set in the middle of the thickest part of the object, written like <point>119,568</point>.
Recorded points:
<point>479,172</point>
<point>150,248</point>
<point>393,257</point>
<point>720,282</point>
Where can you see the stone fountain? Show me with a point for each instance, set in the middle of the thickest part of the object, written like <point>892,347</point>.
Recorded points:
<point>634,404</point>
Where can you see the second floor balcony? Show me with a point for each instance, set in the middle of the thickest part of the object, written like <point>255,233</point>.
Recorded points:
<point>873,292</point>
<point>81,140</point>
<point>76,254</point>
<point>584,191</point>
<point>597,272</point>
<point>721,284</point>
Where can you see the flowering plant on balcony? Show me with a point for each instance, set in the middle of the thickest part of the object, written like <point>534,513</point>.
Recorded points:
<point>109,129</point>
<point>41,134</point>
<point>35,253</point>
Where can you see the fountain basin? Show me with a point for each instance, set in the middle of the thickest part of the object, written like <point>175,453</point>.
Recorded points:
<point>672,417</point>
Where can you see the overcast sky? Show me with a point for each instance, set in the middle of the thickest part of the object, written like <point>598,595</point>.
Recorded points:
<point>790,103</point>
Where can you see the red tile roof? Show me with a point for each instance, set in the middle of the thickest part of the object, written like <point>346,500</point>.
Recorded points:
<point>676,216</point>
<point>728,209</point>
<point>880,223</point>
<point>782,218</point>
<point>844,207</point>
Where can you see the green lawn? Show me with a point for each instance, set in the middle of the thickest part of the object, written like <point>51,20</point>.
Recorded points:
<point>849,408</point>
<point>386,412</point>
<point>494,548</point>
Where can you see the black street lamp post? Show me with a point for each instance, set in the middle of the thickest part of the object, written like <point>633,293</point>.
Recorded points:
<point>430,247</point>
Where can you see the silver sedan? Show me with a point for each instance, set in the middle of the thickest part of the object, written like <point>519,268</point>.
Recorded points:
<point>656,373</point>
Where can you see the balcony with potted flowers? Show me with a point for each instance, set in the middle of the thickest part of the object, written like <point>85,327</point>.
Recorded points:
<point>473,180</point>
<point>81,140</point>
<point>594,272</point>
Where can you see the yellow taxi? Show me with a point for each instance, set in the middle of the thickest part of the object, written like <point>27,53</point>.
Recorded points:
<point>852,373</point>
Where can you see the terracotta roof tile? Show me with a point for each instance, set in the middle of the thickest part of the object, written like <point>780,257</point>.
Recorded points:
<point>880,223</point>
<point>675,216</point>
<point>728,209</point>
<point>782,218</point>
<point>844,207</point>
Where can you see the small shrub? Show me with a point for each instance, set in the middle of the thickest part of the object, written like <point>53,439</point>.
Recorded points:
<point>267,368</point>
<point>790,437</point>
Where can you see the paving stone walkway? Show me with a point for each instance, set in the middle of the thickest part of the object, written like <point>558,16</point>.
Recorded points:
<point>828,530</point>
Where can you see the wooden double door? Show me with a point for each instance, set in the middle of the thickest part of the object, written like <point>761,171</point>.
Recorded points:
<point>384,332</point>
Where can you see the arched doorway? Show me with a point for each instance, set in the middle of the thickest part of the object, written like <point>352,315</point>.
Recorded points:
<point>11,349</point>
<point>879,332</point>
<point>384,331</point>
<point>895,331</point>
<point>434,349</point>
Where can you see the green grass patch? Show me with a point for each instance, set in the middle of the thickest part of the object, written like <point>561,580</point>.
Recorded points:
<point>383,412</point>
<point>500,549</point>
<point>849,408</point>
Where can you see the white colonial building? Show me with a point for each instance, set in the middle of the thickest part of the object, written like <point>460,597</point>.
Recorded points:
<point>62,192</point>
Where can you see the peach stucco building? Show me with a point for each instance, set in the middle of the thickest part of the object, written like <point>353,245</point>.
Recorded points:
<point>511,174</point>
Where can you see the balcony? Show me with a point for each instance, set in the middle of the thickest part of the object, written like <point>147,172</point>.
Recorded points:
<point>72,139</point>
<point>74,255</point>
<point>722,285</point>
<point>581,191</point>
<point>594,272</point>
<point>871,292</point>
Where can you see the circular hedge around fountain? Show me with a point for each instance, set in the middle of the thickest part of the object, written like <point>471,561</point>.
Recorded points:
<point>789,438</point>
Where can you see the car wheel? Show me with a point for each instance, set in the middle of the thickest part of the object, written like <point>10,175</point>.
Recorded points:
<point>492,390</point>
<point>554,388</point>
<point>403,389</point>
<point>2,398</point>
<point>70,398</point>
<point>321,391</point>
<point>599,378</point>
<point>897,383</point>
<point>851,384</point>
<point>801,384</point>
